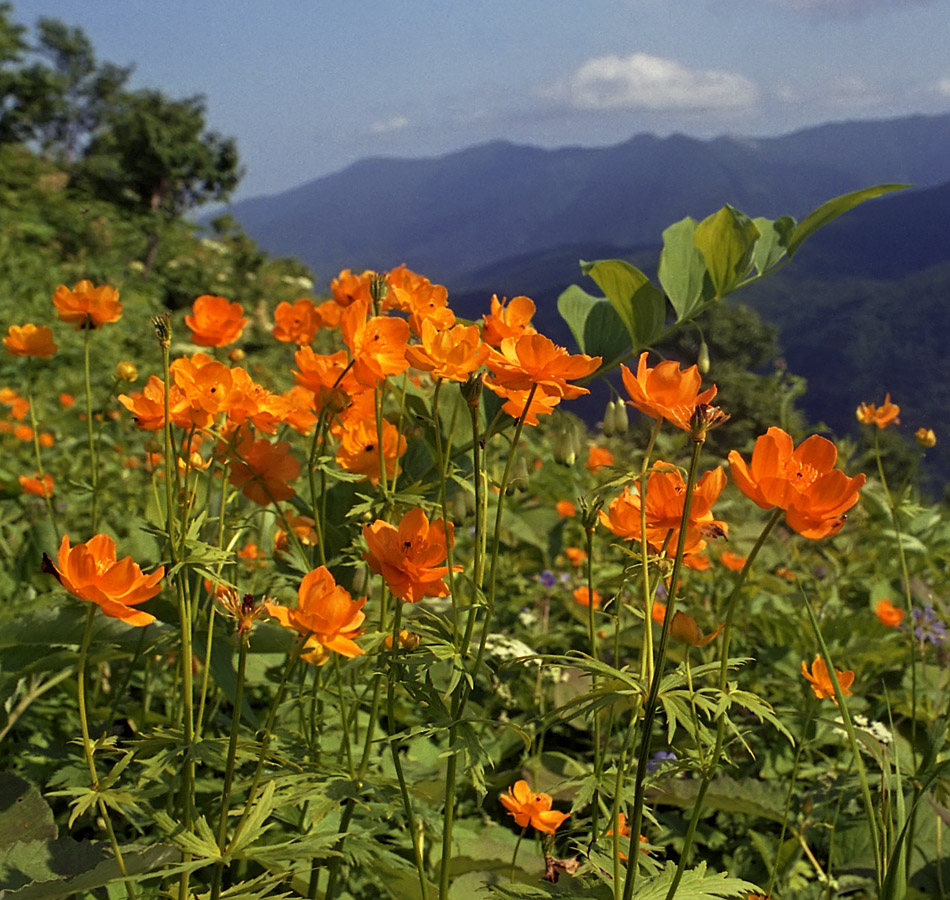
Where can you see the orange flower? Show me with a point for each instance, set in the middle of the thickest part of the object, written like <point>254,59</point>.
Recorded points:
<point>666,493</point>
<point>576,555</point>
<point>378,344</point>
<point>203,390</point>
<point>623,829</point>
<point>326,615</point>
<point>90,572</point>
<point>23,433</point>
<point>359,450</point>
<point>698,562</point>
<point>262,470</point>
<point>215,321</point>
<point>40,487</point>
<point>303,527</point>
<point>252,555</point>
<point>732,560</point>
<point>30,340</point>
<point>511,320</point>
<point>423,300</point>
<point>802,481</point>
<point>67,400</point>
<point>599,457</point>
<point>329,378</point>
<point>453,354</point>
<point>409,557</point>
<point>565,509</point>
<point>666,391</point>
<point>348,288</point>
<point>925,437</point>
<point>882,416</point>
<point>684,628</point>
<point>821,680</point>
<point>296,322</point>
<point>87,306</point>
<point>535,362</point>
<point>888,613</point>
<point>148,405</point>
<point>528,808</point>
<point>47,439</point>
<point>583,597</point>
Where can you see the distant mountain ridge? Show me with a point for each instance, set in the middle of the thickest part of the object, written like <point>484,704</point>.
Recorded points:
<point>453,215</point>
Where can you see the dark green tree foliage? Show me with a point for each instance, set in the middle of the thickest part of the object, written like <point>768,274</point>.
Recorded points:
<point>12,47</point>
<point>156,158</point>
<point>755,388</point>
<point>59,101</point>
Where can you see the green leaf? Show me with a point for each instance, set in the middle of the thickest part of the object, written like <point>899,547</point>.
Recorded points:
<point>640,306</point>
<point>726,240</point>
<point>829,211</point>
<point>696,884</point>
<point>596,327</point>
<point>24,814</point>
<point>770,247</point>
<point>752,797</point>
<point>682,270</point>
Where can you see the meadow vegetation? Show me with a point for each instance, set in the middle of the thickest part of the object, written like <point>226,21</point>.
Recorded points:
<point>332,596</point>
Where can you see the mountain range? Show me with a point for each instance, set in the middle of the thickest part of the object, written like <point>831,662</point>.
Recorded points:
<point>861,311</point>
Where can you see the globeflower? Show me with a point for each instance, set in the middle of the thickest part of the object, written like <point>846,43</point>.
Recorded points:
<point>90,572</point>
<point>821,680</point>
<point>262,470</point>
<point>41,487</point>
<point>888,613</point>
<point>508,319</point>
<point>410,556</point>
<point>528,808</point>
<point>326,615</point>
<point>296,322</point>
<point>453,354</point>
<point>802,481</point>
<point>665,497</point>
<point>87,306</point>
<point>882,416</point>
<point>534,363</point>
<point>215,321</point>
<point>668,392</point>
<point>30,340</point>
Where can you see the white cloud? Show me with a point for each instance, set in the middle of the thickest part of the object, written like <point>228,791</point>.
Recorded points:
<point>943,87</point>
<point>645,82</point>
<point>842,95</point>
<point>387,126</point>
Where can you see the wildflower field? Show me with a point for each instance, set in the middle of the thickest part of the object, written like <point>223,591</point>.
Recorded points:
<point>339,598</point>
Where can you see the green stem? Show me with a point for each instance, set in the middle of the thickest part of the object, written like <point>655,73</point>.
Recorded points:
<point>229,764</point>
<point>89,750</point>
<point>93,450</point>
<point>650,709</point>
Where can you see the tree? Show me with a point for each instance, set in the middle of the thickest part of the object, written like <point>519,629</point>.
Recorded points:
<point>156,157</point>
<point>60,101</point>
<point>12,47</point>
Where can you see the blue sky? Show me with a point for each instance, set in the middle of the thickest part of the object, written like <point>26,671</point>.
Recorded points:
<point>309,86</point>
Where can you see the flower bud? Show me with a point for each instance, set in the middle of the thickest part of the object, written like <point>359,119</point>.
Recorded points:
<point>518,479</point>
<point>126,371</point>
<point>236,355</point>
<point>621,422</point>
<point>610,419</point>
<point>926,437</point>
<point>702,360</point>
<point>565,445</point>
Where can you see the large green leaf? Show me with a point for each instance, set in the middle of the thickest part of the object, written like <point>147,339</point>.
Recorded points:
<point>726,240</point>
<point>829,211</point>
<point>682,270</point>
<point>641,307</point>
<point>594,323</point>
<point>770,247</point>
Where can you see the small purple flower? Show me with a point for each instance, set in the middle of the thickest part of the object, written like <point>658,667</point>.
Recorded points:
<point>547,578</point>
<point>927,627</point>
<point>660,759</point>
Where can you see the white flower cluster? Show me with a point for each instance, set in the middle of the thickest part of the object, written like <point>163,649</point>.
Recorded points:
<point>877,730</point>
<point>504,648</point>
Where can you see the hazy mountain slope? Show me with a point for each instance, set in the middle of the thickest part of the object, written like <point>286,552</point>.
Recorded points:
<point>454,214</point>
